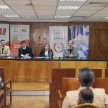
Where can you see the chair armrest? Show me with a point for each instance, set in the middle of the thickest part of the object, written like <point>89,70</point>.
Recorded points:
<point>8,81</point>
<point>59,95</point>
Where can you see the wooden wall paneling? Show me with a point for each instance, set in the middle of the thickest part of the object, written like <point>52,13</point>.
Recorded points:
<point>92,52</point>
<point>41,35</point>
<point>92,38</point>
<point>101,25</point>
<point>37,51</point>
<point>101,39</point>
<point>101,43</point>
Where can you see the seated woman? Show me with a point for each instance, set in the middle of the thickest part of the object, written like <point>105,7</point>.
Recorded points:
<point>46,52</point>
<point>86,94</point>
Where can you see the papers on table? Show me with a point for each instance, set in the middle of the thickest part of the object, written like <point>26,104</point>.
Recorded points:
<point>26,57</point>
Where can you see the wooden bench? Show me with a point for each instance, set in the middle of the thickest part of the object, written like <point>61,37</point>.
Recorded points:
<point>102,83</point>
<point>106,73</point>
<point>56,81</point>
<point>68,84</point>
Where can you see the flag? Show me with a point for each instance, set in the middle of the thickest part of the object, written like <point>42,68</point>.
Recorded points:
<point>79,34</point>
<point>58,39</point>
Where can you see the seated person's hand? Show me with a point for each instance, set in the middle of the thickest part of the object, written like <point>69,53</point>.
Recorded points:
<point>27,54</point>
<point>22,55</point>
<point>2,55</point>
<point>71,55</point>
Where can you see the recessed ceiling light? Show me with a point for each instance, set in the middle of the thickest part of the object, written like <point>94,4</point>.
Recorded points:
<point>4,7</point>
<point>9,16</point>
<point>73,0</point>
<point>62,16</point>
<point>68,7</point>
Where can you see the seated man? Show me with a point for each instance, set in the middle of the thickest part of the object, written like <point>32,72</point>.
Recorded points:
<point>4,50</point>
<point>25,50</point>
<point>70,51</point>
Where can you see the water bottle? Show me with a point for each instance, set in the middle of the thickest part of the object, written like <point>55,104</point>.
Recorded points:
<point>50,54</point>
<point>11,54</point>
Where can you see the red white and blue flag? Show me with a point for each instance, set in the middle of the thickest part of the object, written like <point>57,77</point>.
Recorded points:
<point>58,39</point>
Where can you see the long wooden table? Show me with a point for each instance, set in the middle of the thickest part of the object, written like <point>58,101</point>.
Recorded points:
<point>40,69</point>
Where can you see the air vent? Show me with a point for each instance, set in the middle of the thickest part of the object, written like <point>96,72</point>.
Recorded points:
<point>98,4</point>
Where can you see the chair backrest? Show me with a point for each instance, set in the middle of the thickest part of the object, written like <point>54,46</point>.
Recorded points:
<point>98,74</point>
<point>102,83</point>
<point>2,73</point>
<point>86,105</point>
<point>69,84</point>
<point>59,73</point>
<point>106,73</point>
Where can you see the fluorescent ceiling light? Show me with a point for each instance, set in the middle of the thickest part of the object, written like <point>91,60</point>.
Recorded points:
<point>4,7</point>
<point>10,16</point>
<point>73,0</point>
<point>62,16</point>
<point>68,7</point>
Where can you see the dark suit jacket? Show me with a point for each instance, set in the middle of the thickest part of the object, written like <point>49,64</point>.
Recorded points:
<point>29,51</point>
<point>42,53</point>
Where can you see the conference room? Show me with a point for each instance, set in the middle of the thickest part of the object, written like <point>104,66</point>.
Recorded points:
<point>48,47</point>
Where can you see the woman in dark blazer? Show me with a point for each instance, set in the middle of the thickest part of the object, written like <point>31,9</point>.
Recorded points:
<point>46,52</point>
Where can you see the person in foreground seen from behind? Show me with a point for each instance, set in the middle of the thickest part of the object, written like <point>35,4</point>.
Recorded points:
<point>86,94</point>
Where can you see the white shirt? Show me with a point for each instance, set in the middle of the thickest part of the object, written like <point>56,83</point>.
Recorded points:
<point>24,48</point>
<point>46,53</point>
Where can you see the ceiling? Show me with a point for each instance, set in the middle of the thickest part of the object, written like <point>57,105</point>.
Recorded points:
<point>46,10</point>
